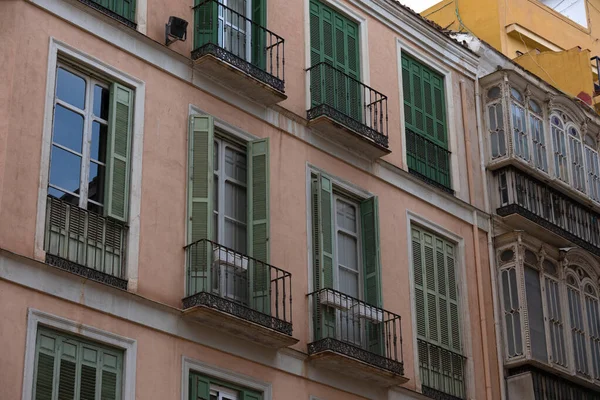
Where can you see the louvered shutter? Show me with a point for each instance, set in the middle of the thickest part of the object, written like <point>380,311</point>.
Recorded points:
<point>206,23</point>
<point>259,19</point>
<point>200,200</point>
<point>120,125</point>
<point>322,210</point>
<point>407,92</point>
<point>199,387</point>
<point>250,395</point>
<point>369,210</point>
<point>258,216</point>
<point>67,373</point>
<point>110,376</point>
<point>316,55</point>
<point>46,347</point>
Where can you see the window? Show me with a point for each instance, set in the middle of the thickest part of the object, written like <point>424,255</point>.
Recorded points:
<point>496,123</point>
<point>67,367</point>
<point>536,127</point>
<point>593,323</point>
<point>578,330</point>
<point>577,163</point>
<point>207,388</point>
<point>559,142</point>
<point>89,170</point>
<point>228,205</point>
<point>593,173</point>
<point>573,9</point>
<point>437,313</point>
<point>425,121</point>
<point>346,259</point>
<point>519,125</point>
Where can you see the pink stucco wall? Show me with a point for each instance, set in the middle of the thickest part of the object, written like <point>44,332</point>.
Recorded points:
<point>24,57</point>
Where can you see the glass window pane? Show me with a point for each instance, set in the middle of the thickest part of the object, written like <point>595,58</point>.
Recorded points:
<point>235,236</point>
<point>98,145</point>
<point>70,88</point>
<point>96,183</point>
<point>533,291</point>
<point>235,202</point>
<point>347,251</point>
<point>101,102</point>
<point>349,283</point>
<point>63,196</point>
<point>346,216</point>
<point>216,156</point>
<point>68,128</point>
<point>65,169</point>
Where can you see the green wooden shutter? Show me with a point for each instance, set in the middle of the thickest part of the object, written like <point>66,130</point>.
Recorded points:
<point>120,126</point>
<point>259,42</point>
<point>124,8</point>
<point>199,387</point>
<point>369,210</point>
<point>436,291</point>
<point>322,219</point>
<point>46,348</point>
<point>111,376</point>
<point>258,217</point>
<point>206,23</point>
<point>200,200</point>
<point>67,374</point>
<point>250,395</point>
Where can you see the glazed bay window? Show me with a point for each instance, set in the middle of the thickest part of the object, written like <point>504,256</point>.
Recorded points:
<point>536,126</point>
<point>88,184</point>
<point>519,125</point>
<point>559,142</point>
<point>576,158</point>
<point>593,172</point>
<point>67,367</point>
<point>425,123</point>
<point>496,122</point>
<point>441,360</point>
<point>550,311</point>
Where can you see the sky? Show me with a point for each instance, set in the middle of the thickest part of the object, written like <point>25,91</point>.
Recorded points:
<point>419,5</point>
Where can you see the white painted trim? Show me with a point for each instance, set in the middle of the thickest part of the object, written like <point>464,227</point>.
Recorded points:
<point>189,364</point>
<point>141,16</point>
<point>461,278</point>
<point>451,118</point>
<point>363,40</point>
<point>36,318</point>
<point>61,49</point>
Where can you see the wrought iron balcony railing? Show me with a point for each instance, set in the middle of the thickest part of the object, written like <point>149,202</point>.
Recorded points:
<point>349,102</point>
<point>121,10</point>
<point>85,243</point>
<point>428,160</point>
<point>234,283</point>
<point>233,37</point>
<point>442,372</point>
<point>522,194</point>
<point>356,329</point>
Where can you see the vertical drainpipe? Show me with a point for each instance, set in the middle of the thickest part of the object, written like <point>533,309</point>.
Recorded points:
<point>490,235</point>
<point>480,290</point>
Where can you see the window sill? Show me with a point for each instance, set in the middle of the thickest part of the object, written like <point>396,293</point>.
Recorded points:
<point>431,182</point>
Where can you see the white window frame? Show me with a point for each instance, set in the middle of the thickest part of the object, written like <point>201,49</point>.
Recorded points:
<point>247,31</point>
<point>58,50</point>
<point>358,236</point>
<point>521,136</point>
<point>225,375</point>
<point>495,103</point>
<point>592,172</point>
<point>556,148</point>
<point>88,119</point>
<point>577,141</point>
<point>538,148</point>
<point>35,318</point>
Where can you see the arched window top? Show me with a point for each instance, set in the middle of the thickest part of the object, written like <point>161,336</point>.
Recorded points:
<point>573,131</point>
<point>494,93</point>
<point>515,94</point>
<point>557,121</point>
<point>535,107</point>
<point>507,256</point>
<point>531,258</point>
<point>590,290</point>
<point>550,267</point>
<point>572,280</point>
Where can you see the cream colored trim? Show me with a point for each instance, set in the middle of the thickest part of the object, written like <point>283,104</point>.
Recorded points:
<point>521,30</point>
<point>436,65</point>
<point>224,375</point>
<point>462,279</point>
<point>36,318</point>
<point>60,49</point>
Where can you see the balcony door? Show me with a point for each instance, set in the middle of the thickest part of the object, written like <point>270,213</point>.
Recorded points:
<point>235,27</point>
<point>335,58</point>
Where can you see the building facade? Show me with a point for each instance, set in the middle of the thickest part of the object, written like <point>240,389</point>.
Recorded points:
<point>541,154</point>
<point>285,205</point>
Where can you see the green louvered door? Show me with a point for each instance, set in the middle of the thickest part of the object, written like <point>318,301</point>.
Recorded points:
<point>71,369</point>
<point>259,34</point>
<point>425,118</point>
<point>119,152</point>
<point>206,23</point>
<point>322,219</point>
<point>258,217</point>
<point>437,309</point>
<point>124,8</point>
<point>200,202</point>
<point>334,41</point>
<point>200,388</point>
<point>369,210</point>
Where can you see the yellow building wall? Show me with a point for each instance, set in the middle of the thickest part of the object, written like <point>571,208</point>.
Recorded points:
<point>568,70</point>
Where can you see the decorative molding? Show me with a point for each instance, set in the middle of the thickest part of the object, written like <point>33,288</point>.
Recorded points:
<point>36,318</point>
<point>86,272</point>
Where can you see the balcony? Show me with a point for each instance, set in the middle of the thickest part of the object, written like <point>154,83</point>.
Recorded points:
<point>123,11</point>
<point>239,53</point>
<point>348,111</point>
<point>428,161</point>
<point>85,243</point>
<point>442,372</point>
<point>238,294</point>
<point>528,382</point>
<point>526,197</point>
<point>356,338</point>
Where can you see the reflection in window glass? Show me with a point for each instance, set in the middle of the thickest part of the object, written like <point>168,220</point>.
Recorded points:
<point>70,88</point>
<point>68,129</point>
<point>65,170</point>
<point>101,96</point>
